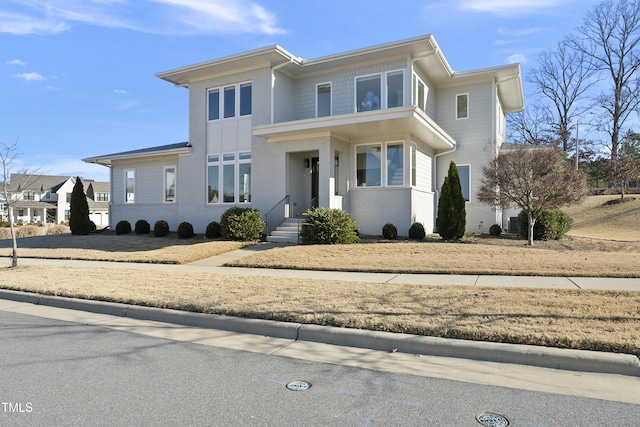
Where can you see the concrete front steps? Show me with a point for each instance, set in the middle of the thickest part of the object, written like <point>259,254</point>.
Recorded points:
<point>287,232</point>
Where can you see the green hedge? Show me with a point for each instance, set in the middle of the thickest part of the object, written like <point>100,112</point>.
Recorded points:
<point>329,226</point>
<point>416,232</point>
<point>161,228</point>
<point>123,227</point>
<point>185,230</point>
<point>142,227</point>
<point>244,224</point>
<point>551,225</point>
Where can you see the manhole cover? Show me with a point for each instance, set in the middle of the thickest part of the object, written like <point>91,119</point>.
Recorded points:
<point>492,420</point>
<point>299,386</point>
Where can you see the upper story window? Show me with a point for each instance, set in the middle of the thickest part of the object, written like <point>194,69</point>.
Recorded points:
<point>395,89</point>
<point>68,198</point>
<point>420,91</point>
<point>29,195</point>
<point>230,101</point>
<point>375,92</point>
<point>462,106</point>
<point>323,100</point>
<point>102,197</point>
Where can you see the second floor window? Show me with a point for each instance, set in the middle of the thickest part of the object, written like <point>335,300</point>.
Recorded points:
<point>102,197</point>
<point>29,195</point>
<point>377,91</point>
<point>323,100</point>
<point>230,101</point>
<point>462,106</point>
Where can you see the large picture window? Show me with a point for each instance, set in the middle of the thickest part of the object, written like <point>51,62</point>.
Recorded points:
<point>230,101</point>
<point>229,178</point>
<point>384,90</point>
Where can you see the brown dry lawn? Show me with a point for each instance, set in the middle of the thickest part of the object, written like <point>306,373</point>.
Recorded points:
<point>597,320</point>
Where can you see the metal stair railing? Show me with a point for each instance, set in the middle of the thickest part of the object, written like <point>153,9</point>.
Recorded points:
<point>276,215</point>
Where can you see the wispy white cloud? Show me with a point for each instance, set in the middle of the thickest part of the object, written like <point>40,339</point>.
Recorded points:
<point>150,16</point>
<point>509,7</point>
<point>16,62</point>
<point>517,58</point>
<point>121,91</point>
<point>30,77</point>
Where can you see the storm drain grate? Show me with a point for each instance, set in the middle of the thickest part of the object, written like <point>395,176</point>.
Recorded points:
<point>492,420</point>
<point>299,386</point>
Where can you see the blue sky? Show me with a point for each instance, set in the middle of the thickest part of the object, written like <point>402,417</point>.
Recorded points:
<point>77,77</point>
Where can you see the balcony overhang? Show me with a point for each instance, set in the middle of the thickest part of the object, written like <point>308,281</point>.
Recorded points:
<point>381,124</point>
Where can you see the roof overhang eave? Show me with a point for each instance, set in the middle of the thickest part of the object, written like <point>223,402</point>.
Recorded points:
<point>109,159</point>
<point>381,124</point>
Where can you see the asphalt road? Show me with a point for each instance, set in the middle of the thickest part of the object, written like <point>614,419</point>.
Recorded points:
<point>56,373</point>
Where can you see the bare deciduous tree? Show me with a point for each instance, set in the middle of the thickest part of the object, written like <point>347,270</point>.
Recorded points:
<point>610,39</point>
<point>563,76</point>
<point>530,126</point>
<point>8,159</point>
<point>626,166</point>
<point>532,179</point>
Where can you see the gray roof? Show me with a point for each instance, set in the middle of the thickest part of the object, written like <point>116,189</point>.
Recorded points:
<point>27,182</point>
<point>141,152</point>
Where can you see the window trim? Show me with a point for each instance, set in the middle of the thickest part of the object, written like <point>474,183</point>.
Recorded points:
<point>417,81</point>
<point>175,184</point>
<point>126,195</point>
<point>386,87</point>
<point>457,112</point>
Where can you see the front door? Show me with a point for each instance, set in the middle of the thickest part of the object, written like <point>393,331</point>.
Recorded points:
<point>315,181</point>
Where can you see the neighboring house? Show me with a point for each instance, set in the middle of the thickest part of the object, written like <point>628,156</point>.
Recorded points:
<point>46,199</point>
<point>370,131</point>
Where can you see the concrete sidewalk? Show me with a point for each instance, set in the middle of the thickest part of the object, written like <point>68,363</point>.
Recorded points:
<point>216,265</point>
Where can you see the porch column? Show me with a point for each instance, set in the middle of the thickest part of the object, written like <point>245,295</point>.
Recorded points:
<point>325,190</point>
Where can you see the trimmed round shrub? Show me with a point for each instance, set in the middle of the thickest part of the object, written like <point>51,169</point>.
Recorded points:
<point>389,231</point>
<point>185,230</point>
<point>244,224</point>
<point>142,227</point>
<point>213,230</point>
<point>123,227</point>
<point>329,226</point>
<point>161,228</point>
<point>416,232</point>
<point>550,225</point>
<point>495,230</point>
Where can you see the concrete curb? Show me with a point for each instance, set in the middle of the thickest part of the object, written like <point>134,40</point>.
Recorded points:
<point>547,357</point>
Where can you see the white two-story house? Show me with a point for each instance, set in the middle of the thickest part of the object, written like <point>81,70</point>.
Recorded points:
<point>370,131</point>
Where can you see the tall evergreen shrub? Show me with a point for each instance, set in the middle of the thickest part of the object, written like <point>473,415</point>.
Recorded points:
<point>79,221</point>
<point>452,215</point>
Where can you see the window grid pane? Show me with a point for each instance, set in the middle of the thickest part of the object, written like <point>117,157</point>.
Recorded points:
<point>130,186</point>
<point>395,89</point>
<point>213,184</point>
<point>368,159</point>
<point>245,99</point>
<point>395,162</point>
<point>244,170</point>
<point>368,93</point>
<point>214,104</point>
<point>170,185</point>
<point>229,183</point>
<point>229,102</point>
<point>462,106</point>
